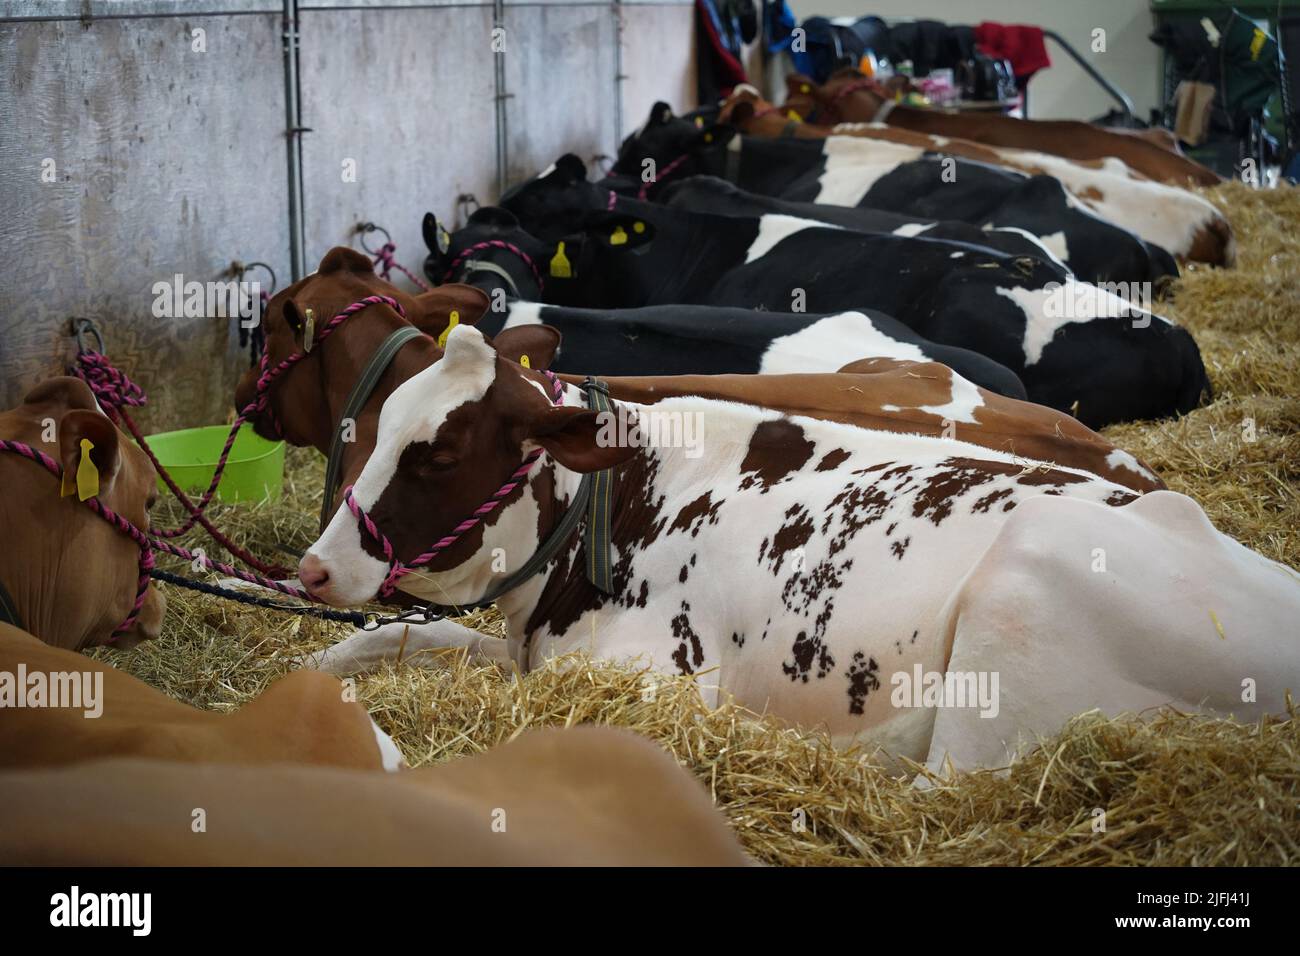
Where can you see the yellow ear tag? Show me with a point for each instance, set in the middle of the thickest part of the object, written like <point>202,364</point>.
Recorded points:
<point>523,360</point>
<point>87,473</point>
<point>560,268</point>
<point>618,237</point>
<point>804,88</point>
<point>453,320</point>
<point>794,116</point>
<point>308,331</point>
<point>699,121</point>
<point>638,227</point>
<point>708,137</point>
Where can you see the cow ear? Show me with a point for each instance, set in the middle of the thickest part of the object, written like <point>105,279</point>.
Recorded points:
<point>741,113</point>
<point>796,84</point>
<point>432,310</point>
<point>660,114</point>
<point>712,137</point>
<point>439,242</point>
<point>620,231</point>
<point>569,169</point>
<point>493,216</point>
<point>343,259</point>
<point>540,343</point>
<point>84,425</point>
<point>579,439</point>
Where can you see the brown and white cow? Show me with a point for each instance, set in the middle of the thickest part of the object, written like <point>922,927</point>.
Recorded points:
<point>843,98</point>
<point>799,565</point>
<point>1187,225</point>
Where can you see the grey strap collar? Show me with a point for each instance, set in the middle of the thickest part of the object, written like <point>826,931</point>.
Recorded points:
<point>362,389</point>
<point>470,266</point>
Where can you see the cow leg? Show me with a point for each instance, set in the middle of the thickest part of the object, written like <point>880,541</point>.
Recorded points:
<point>365,651</point>
<point>1077,606</point>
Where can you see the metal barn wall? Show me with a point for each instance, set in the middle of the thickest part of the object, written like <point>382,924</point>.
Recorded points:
<point>170,160</point>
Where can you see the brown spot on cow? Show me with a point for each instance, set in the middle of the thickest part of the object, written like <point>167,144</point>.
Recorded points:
<point>807,652</point>
<point>777,449</point>
<point>695,515</point>
<point>686,657</point>
<point>833,459</point>
<point>794,534</point>
<point>863,679</point>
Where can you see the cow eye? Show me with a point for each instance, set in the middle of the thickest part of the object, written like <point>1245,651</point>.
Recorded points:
<point>436,464</point>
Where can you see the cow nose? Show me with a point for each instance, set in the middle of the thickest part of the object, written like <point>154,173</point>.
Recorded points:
<point>313,573</point>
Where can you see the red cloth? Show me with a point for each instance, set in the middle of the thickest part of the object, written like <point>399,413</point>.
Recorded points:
<point>728,72</point>
<point>1022,45</point>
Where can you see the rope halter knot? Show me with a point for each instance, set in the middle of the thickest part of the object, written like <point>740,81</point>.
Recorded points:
<point>398,569</point>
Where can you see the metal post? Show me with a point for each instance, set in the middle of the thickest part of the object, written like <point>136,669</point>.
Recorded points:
<point>619,76</point>
<point>499,78</point>
<point>293,140</point>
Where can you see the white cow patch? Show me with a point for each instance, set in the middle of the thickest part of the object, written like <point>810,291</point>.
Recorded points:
<point>774,227</point>
<point>853,164</point>
<point>851,335</point>
<point>961,405</point>
<point>523,313</point>
<point>910,229</point>
<point>1053,245</point>
<point>1122,459</point>
<point>1040,327</point>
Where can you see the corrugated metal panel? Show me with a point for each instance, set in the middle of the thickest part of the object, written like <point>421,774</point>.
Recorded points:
<point>174,161</point>
<point>408,95</point>
<point>560,78</point>
<point>658,59</point>
<point>168,161</point>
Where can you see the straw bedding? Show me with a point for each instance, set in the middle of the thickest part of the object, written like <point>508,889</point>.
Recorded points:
<point>1175,789</point>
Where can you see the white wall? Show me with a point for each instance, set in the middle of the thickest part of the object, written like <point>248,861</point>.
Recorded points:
<point>1131,61</point>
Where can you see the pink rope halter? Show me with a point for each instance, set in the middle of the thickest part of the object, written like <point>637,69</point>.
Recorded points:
<point>398,569</point>
<point>664,174</point>
<point>496,244</point>
<point>141,538</point>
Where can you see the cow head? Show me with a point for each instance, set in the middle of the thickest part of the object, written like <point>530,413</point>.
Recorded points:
<point>308,400</point>
<point>567,266</point>
<point>448,439</point>
<point>695,146</point>
<point>73,576</point>
<point>343,277</point>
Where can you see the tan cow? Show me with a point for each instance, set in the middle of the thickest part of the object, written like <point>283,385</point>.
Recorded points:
<point>589,796</point>
<point>37,567</point>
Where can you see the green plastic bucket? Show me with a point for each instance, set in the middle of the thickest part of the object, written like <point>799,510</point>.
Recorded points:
<point>254,470</point>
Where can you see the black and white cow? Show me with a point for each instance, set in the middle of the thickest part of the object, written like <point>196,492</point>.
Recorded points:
<point>1075,346</point>
<point>846,172</point>
<point>829,575</point>
<point>711,194</point>
<point>679,339</point>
